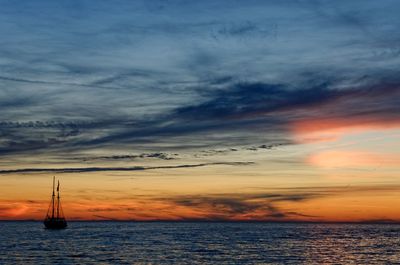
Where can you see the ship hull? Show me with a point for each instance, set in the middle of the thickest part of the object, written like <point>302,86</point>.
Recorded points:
<point>55,223</point>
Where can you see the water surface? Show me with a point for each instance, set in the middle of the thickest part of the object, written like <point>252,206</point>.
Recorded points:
<point>199,243</point>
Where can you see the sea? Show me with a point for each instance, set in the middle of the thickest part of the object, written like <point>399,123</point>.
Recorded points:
<point>199,243</point>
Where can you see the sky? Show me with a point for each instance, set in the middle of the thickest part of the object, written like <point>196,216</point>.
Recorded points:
<point>201,110</point>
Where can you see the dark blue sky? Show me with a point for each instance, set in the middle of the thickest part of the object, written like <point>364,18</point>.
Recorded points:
<point>172,76</point>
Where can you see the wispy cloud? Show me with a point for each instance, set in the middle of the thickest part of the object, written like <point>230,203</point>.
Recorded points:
<point>103,169</point>
<point>232,206</point>
<point>133,75</point>
<point>263,205</point>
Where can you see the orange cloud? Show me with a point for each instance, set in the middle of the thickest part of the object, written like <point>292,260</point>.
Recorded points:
<point>332,159</point>
<point>304,204</point>
<point>330,129</point>
<point>13,210</point>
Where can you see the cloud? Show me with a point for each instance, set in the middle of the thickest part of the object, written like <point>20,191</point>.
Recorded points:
<point>54,83</point>
<point>249,99</point>
<point>135,75</point>
<point>103,169</point>
<point>102,217</point>
<point>228,116</point>
<point>257,206</point>
<point>14,209</point>
<point>160,155</point>
<point>351,158</point>
<point>274,107</point>
<point>213,152</point>
<point>260,204</point>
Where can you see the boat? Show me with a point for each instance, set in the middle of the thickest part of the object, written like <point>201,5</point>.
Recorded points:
<point>55,217</point>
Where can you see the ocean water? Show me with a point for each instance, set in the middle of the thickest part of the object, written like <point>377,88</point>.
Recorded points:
<point>199,243</point>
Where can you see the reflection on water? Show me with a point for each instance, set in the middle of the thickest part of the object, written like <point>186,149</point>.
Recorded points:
<point>199,243</point>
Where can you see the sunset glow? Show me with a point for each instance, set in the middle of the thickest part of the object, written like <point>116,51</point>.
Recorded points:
<point>216,111</point>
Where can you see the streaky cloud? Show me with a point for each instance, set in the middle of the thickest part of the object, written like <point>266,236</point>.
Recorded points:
<point>102,169</point>
<point>13,79</point>
<point>264,205</point>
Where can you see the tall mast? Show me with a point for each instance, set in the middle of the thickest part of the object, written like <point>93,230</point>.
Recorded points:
<point>58,199</point>
<point>52,201</point>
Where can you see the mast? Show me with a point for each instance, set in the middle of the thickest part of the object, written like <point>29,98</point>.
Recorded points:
<point>58,199</point>
<point>55,219</point>
<point>52,201</point>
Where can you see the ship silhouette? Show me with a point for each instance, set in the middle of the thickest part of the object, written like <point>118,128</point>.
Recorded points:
<point>55,217</point>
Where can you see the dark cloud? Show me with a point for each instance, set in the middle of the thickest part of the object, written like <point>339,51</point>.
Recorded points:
<point>102,169</point>
<point>94,85</point>
<point>159,155</point>
<point>246,101</point>
<point>252,98</point>
<point>231,115</point>
<point>265,205</point>
<point>301,215</point>
<point>103,209</point>
<point>245,107</point>
<point>229,206</point>
<point>162,156</point>
<point>227,110</point>
<point>213,152</point>
<point>102,217</point>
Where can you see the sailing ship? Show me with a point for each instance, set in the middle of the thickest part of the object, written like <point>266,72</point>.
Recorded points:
<point>55,217</point>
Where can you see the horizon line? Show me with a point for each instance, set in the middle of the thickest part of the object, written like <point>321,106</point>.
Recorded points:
<point>396,222</point>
